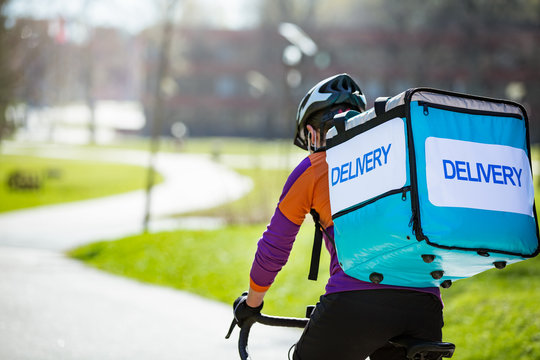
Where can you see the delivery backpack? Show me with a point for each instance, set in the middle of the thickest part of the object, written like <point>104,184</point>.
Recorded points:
<point>431,186</point>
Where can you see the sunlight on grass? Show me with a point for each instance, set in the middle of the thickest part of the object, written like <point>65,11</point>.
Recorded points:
<point>493,315</point>
<point>214,264</point>
<point>63,180</point>
<point>210,145</point>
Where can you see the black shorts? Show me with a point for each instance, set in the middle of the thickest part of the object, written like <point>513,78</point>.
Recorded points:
<point>358,324</point>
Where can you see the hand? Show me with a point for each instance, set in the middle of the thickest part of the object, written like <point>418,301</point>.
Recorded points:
<point>242,311</point>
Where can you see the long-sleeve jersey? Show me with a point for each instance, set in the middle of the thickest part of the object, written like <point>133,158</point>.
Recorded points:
<point>306,188</point>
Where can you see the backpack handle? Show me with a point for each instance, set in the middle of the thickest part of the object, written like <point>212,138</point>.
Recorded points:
<point>380,105</point>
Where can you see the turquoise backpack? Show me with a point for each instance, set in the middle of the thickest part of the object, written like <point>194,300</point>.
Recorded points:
<point>431,186</point>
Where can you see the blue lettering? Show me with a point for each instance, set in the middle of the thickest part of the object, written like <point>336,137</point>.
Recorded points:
<point>518,174</point>
<point>344,172</point>
<point>359,165</point>
<point>385,152</point>
<point>376,157</point>
<point>350,172</point>
<point>368,158</point>
<point>496,173</point>
<point>460,169</point>
<point>507,175</point>
<point>480,170</point>
<point>446,174</point>
<point>469,174</point>
<point>335,180</point>
<point>365,163</point>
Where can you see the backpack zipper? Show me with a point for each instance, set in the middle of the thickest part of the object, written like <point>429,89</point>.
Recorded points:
<point>426,105</point>
<point>403,191</point>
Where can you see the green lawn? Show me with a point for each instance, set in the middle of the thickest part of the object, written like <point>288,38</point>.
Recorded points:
<point>214,264</point>
<point>210,145</point>
<point>494,315</point>
<point>63,180</point>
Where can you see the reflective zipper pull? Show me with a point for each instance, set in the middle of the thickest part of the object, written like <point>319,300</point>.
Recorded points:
<point>426,110</point>
<point>404,194</point>
<point>412,221</point>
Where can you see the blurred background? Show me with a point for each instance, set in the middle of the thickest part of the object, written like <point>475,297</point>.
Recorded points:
<point>89,70</point>
<point>173,120</point>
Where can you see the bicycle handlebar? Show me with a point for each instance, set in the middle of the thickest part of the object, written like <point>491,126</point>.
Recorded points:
<point>416,348</point>
<point>265,320</point>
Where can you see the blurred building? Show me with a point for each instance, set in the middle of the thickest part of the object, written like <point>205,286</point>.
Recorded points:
<point>77,84</point>
<point>236,83</point>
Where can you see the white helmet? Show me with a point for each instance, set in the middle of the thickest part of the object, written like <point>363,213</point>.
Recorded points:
<point>335,90</point>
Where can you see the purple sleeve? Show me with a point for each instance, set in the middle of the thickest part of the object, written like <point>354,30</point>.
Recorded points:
<point>273,249</point>
<point>275,245</point>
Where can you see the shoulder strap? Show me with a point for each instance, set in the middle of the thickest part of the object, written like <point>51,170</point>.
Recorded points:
<point>317,245</point>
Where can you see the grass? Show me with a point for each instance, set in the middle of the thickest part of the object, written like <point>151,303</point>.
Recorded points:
<point>63,180</point>
<point>209,145</point>
<point>494,315</point>
<point>214,264</point>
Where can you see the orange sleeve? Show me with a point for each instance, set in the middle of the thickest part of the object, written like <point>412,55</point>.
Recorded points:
<point>297,202</point>
<point>309,191</point>
<point>256,287</point>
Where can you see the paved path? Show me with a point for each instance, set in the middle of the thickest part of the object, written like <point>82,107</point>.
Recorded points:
<point>55,308</point>
<point>52,307</point>
<point>191,182</point>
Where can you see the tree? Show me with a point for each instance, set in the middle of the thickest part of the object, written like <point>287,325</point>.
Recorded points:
<point>7,77</point>
<point>158,101</point>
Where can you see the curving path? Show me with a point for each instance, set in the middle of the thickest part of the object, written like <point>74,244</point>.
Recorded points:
<point>52,307</point>
<point>191,182</point>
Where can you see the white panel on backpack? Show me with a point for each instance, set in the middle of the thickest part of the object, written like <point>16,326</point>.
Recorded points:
<point>368,165</point>
<point>478,176</point>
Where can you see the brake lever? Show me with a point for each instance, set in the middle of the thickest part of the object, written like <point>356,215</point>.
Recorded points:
<point>231,328</point>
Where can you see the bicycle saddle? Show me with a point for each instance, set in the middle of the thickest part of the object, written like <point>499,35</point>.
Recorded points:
<point>419,349</point>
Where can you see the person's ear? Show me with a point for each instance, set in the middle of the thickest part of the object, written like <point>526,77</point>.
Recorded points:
<point>313,135</point>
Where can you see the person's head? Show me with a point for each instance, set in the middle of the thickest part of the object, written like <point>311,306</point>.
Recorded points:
<point>317,109</point>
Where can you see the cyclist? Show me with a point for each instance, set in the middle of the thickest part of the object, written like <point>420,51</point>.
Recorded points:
<point>353,319</point>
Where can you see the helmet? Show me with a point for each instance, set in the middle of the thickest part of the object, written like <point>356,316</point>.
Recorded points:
<point>335,90</point>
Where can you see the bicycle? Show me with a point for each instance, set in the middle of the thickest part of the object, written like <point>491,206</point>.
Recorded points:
<point>416,349</point>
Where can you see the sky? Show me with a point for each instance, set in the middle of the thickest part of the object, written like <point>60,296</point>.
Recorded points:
<point>132,15</point>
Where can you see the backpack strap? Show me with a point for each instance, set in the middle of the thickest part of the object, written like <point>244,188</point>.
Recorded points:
<point>317,245</point>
